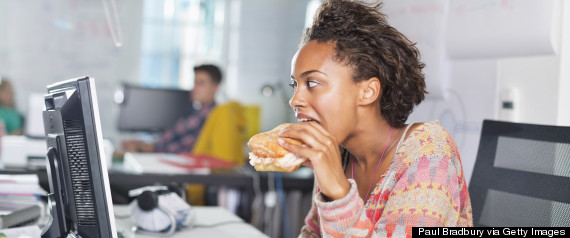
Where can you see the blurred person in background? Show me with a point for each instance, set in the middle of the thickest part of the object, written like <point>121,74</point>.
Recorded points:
<point>11,119</point>
<point>181,137</point>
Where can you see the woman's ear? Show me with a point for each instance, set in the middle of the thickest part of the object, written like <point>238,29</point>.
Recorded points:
<point>370,91</point>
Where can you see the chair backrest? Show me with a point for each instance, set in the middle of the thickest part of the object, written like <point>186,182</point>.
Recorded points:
<point>251,114</point>
<point>223,133</point>
<point>521,176</point>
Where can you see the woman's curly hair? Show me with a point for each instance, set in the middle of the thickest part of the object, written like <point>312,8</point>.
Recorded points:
<point>372,48</point>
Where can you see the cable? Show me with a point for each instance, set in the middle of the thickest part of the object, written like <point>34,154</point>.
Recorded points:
<point>49,206</point>
<point>122,216</point>
<point>257,204</point>
<point>116,32</point>
<point>47,225</point>
<point>271,209</point>
<point>281,196</point>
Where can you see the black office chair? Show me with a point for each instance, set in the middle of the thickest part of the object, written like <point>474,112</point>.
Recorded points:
<point>521,176</point>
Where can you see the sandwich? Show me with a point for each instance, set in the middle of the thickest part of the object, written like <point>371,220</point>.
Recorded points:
<point>268,155</point>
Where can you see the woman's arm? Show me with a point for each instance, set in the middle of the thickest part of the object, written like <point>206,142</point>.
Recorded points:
<point>311,227</point>
<point>429,200</point>
<point>336,218</point>
<point>428,190</point>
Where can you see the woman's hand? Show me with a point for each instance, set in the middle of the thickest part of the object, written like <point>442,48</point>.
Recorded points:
<point>130,145</point>
<point>321,150</point>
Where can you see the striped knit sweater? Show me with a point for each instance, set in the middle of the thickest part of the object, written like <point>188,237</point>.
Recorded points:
<point>424,186</point>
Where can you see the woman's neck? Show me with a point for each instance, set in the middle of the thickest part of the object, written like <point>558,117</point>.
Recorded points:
<point>369,140</point>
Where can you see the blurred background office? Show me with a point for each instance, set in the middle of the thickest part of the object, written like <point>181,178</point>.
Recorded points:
<point>480,55</point>
<point>492,59</point>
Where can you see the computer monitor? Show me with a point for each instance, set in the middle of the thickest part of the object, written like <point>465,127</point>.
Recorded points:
<point>145,109</point>
<point>80,195</point>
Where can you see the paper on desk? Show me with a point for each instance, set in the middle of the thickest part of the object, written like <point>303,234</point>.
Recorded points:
<point>19,178</point>
<point>155,163</point>
<point>21,232</point>
<point>20,185</point>
<point>194,161</point>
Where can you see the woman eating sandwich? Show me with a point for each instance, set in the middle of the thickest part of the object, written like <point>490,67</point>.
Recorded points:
<point>356,79</point>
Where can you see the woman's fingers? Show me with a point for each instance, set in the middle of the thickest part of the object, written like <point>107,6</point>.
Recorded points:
<point>320,128</point>
<point>316,147</point>
<point>322,154</point>
<point>309,134</point>
<point>299,150</point>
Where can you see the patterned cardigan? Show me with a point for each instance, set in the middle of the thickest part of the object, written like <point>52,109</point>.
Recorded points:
<point>424,186</point>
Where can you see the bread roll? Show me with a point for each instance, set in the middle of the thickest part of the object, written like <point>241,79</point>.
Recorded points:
<point>268,155</point>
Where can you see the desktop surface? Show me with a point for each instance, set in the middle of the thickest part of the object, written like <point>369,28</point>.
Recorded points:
<point>210,222</point>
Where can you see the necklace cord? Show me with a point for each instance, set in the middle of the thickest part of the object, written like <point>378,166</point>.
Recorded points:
<point>377,166</point>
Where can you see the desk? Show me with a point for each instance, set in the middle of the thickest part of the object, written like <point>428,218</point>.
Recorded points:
<point>122,181</point>
<point>204,216</point>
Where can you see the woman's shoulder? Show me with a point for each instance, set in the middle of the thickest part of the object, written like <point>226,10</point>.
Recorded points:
<point>428,138</point>
<point>430,129</point>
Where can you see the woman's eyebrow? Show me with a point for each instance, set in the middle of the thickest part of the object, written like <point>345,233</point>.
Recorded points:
<point>304,74</point>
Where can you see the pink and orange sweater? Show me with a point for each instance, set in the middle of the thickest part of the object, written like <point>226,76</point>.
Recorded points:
<point>424,186</point>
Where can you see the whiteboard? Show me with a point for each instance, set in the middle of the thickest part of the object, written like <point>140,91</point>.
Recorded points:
<point>423,22</point>
<point>50,41</point>
<point>502,28</point>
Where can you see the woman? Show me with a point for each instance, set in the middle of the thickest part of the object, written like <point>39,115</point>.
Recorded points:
<point>11,118</point>
<point>356,80</point>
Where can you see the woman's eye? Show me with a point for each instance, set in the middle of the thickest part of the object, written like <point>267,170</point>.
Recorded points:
<point>293,84</point>
<point>312,83</point>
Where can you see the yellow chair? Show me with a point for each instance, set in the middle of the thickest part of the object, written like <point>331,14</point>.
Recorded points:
<point>251,113</point>
<point>223,134</point>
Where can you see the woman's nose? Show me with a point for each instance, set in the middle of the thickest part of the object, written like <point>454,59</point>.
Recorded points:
<point>298,99</point>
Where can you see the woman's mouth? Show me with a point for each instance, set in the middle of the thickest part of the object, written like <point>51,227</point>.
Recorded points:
<point>306,120</point>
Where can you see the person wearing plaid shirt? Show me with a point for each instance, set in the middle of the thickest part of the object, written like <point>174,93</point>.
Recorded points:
<point>180,138</point>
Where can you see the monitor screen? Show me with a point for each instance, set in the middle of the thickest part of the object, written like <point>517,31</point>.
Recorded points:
<point>150,109</point>
<point>34,126</point>
<point>80,195</point>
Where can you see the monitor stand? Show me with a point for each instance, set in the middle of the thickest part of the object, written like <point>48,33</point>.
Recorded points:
<point>56,225</point>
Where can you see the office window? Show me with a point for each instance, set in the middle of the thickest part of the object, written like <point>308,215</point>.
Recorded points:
<point>177,35</point>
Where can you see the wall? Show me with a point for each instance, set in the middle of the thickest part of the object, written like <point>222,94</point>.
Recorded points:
<point>269,33</point>
<point>564,86</point>
<point>536,80</point>
<point>469,98</point>
<point>481,62</point>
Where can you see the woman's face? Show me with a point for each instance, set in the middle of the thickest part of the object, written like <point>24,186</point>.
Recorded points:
<point>324,89</point>
<point>205,88</point>
<point>7,96</point>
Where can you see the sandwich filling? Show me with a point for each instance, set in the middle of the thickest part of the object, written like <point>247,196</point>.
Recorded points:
<point>287,161</point>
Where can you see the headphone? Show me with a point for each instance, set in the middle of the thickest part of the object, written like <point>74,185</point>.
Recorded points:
<point>161,210</point>
<point>148,199</point>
